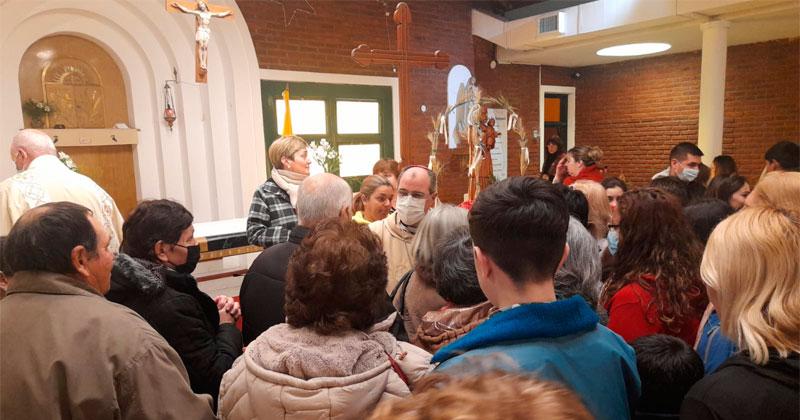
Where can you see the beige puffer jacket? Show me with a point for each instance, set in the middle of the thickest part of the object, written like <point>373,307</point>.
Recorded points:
<point>294,373</point>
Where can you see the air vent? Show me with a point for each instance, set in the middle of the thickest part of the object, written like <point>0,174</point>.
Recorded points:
<point>552,24</point>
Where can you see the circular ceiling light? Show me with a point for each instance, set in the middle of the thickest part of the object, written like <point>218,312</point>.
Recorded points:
<point>630,50</point>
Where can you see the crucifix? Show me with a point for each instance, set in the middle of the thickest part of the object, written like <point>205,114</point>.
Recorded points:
<point>203,13</point>
<point>404,60</point>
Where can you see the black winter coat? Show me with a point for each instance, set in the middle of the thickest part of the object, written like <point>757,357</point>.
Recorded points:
<point>740,389</point>
<point>186,317</point>
<point>264,285</point>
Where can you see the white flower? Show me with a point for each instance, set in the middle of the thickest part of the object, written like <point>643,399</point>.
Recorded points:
<point>323,142</point>
<point>46,108</point>
<point>332,154</point>
<point>39,105</point>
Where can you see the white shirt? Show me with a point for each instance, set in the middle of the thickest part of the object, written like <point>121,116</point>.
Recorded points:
<point>48,180</point>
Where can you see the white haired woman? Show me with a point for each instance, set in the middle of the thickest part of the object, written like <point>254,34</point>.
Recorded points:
<point>752,273</point>
<point>272,213</point>
<point>415,295</point>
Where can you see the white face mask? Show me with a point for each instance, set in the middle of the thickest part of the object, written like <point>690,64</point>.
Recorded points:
<point>688,174</point>
<point>410,210</point>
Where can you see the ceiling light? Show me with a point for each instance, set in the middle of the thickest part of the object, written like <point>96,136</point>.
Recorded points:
<point>629,50</point>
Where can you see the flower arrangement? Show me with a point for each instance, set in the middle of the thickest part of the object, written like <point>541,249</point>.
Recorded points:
<point>67,161</point>
<point>326,155</point>
<point>37,110</point>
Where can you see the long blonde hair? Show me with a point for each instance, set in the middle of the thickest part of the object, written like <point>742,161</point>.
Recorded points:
<point>780,190</point>
<point>599,209</point>
<point>751,263</point>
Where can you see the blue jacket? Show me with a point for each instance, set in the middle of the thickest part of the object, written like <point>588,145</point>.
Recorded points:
<point>559,341</point>
<point>713,347</point>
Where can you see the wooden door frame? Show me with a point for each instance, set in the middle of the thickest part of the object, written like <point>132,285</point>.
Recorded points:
<point>561,90</point>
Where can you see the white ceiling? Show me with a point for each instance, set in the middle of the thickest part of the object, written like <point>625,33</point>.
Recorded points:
<point>684,35</point>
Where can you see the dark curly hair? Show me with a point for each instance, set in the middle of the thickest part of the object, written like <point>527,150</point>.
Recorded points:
<point>336,279</point>
<point>656,239</point>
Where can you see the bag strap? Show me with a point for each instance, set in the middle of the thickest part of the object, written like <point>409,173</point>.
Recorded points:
<point>403,281</point>
<point>396,368</point>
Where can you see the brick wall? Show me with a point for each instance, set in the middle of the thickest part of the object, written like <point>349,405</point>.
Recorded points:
<point>637,110</point>
<point>322,43</point>
<point>762,101</point>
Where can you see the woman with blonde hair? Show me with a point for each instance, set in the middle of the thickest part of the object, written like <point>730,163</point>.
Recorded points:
<point>373,201</point>
<point>272,213</point>
<point>780,190</point>
<point>599,209</point>
<point>580,162</point>
<point>752,273</point>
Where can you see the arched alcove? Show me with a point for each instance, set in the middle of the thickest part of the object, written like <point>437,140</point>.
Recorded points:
<point>78,79</point>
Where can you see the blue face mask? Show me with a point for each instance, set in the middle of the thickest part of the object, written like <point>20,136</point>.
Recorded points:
<point>613,241</point>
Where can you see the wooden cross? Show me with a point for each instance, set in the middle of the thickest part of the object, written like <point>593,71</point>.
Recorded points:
<point>404,60</point>
<point>203,13</point>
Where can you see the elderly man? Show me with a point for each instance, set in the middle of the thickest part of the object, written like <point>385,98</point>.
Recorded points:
<point>320,197</point>
<point>416,194</point>
<point>44,179</point>
<point>67,351</point>
<point>684,162</point>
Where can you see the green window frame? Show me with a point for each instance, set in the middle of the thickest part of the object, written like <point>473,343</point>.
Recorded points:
<point>271,91</point>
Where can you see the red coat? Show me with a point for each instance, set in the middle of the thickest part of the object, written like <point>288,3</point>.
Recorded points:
<point>632,313</point>
<point>591,173</point>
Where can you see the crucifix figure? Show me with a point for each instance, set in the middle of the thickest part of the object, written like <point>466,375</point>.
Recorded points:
<point>404,60</point>
<point>203,13</point>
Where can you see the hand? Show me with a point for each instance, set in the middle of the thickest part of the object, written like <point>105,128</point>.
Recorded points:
<point>222,301</point>
<point>226,318</point>
<point>561,169</point>
<point>235,311</point>
<point>229,305</point>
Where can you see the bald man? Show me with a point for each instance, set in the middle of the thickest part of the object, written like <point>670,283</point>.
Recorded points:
<point>43,178</point>
<point>416,194</point>
<point>320,197</point>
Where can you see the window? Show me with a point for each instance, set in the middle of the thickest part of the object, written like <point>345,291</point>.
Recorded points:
<point>308,117</point>
<point>356,119</point>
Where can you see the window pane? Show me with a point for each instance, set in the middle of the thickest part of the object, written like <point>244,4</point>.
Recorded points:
<point>357,117</point>
<point>308,117</point>
<point>358,159</point>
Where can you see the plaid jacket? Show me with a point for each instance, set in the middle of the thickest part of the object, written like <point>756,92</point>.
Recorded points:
<point>271,216</point>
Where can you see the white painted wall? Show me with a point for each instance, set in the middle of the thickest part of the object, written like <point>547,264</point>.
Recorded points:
<point>215,158</point>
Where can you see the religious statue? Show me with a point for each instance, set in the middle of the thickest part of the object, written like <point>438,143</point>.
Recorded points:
<point>202,35</point>
<point>482,137</point>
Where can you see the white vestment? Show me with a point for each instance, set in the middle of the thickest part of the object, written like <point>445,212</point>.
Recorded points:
<point>48,180</point>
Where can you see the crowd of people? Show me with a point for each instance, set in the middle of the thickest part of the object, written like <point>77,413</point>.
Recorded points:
<point>575,296</point>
